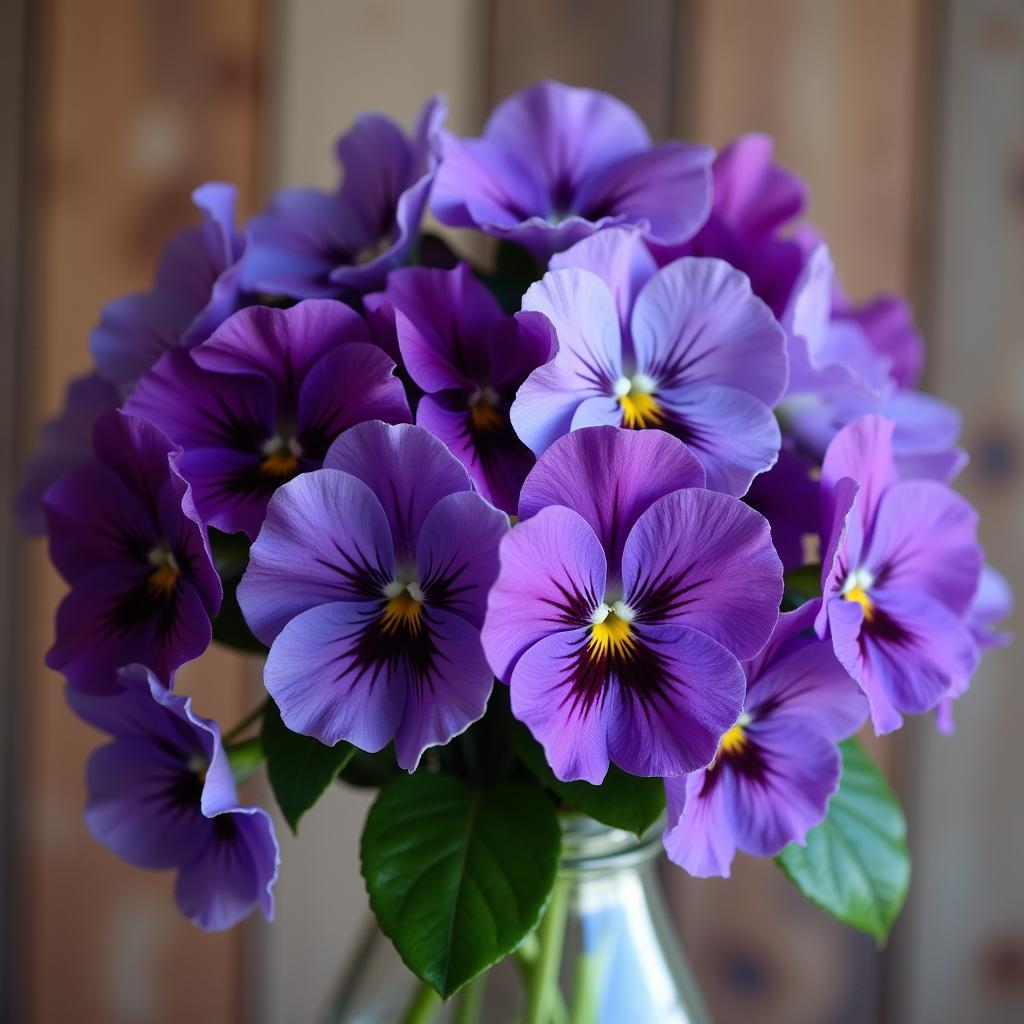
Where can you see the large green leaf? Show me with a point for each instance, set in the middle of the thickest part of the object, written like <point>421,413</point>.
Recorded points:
<point>856,864</point>
<point>458,875</point>
<point>621,801</point>
<point>300,767</point>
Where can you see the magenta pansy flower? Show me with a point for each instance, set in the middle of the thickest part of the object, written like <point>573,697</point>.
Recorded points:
<point>688,349</point>
<point>368,581</point>
<point>776,768</point>
<point>161,796</point>
<point>557,163</point>
<point>125,534</point>
<point>470,359</point>
<point>901,567</point>
<point>263,398</point>
<point>625,599</point>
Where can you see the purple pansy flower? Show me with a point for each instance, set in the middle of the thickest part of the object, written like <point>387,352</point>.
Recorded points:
<point>263,398</point>
<point>64,442</point>
<point>992,602</point>
<point>901,567</point>
<point>161,795</point>
<point>556,164</point>
<point>368,580</point>
<point>754,199</point>
<point>198,286</point>
<point>125,534</point>
<point>314,244</point>
<point>469,359</point>
<point>688,349</point>
<point>625,598</point>
<point>776,768</point>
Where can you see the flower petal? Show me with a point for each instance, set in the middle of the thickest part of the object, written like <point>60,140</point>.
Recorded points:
<point>698,836</point>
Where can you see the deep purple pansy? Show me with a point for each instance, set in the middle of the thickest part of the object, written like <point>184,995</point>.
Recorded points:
<point>198,285</point>
<point>162,796</point>
<point>625,598</point>
<point>688,349</point>
<point>557,163</point>
<point>64,442</point>
<point>469,359</point>
<point>315,244</point>
<point>125,534</point>
<point>754,201</point>
<point>263,398</point>
<point>776,768</point>
<point>901,567</point>
<point>368,581</point>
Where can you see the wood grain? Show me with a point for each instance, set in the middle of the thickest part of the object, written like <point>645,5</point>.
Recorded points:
<point>140,102</point>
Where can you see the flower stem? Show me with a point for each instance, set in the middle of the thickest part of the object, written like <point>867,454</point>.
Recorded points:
<point>544,994</point>
<point>423,1009</point>
<point>236,730</point>
<point>471,1001</point>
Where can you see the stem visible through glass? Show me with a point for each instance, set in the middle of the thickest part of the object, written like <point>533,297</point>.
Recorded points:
<point>544,994</point>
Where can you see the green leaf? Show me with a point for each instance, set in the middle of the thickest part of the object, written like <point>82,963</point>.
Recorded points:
<point>300,767</point>
<point>370,771</point>
<point>856,864</point>
<point>621,801</point>
<point>231,556</point>
<point>801,585</point>
<point>458,875</point>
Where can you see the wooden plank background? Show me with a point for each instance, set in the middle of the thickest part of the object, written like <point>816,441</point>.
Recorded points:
<point>905,117</point>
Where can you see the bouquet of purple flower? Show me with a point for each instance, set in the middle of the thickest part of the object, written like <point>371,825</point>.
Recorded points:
<point>643,519</point>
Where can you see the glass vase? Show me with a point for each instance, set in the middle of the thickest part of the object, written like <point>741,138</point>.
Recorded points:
<point>604,953</point>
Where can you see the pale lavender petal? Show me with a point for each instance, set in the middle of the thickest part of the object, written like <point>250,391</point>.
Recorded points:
<point>944,466</point>
<point>861,451</point>
<point>552,577</point>
<point>704,560</point>
<point>698,836</point>
<point>842,538</point>
<point>325,539</point>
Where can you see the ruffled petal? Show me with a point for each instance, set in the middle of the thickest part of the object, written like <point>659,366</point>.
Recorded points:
<point>698,836</point>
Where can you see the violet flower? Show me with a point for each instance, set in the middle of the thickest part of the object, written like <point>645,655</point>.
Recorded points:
<point>64,442</point>
<point>368,581</point>
<point>125,534</point>
<point>776,768</point>
<point>263,398</point>
<point>469,359</point>
<point>688,349</point>
<point>162,796</point>
<point>901,568</point>
<point>625,598</point>
<point>556,164</point>
<point>198,285</point>
<point>314,244</point>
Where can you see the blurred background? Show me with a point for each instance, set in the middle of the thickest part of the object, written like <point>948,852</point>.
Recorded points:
<point>907,119</point>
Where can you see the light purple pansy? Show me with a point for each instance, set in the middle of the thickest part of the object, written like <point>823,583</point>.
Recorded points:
<point>368,581</point>
<point>625,598</point>
<point>901,567</point>
<point>688,349</point>
<point>64,442</point>
<point>263,398</point>
<point>557,163</point>
<point>776,768</point>
<point>754,200</point>
<point>315,244</point>
<point>125,534</point>
<point>162,796</point>
<point>198,285</point>
<point>991,604</point>
<point>469,359</point>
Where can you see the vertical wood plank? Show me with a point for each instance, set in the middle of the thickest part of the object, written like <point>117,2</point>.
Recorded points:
<point>838,86</point>
<point>332,59</point>
<point>962,954</point>
<point>140,102</point>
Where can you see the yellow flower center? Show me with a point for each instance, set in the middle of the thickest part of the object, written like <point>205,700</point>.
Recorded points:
<point>856,588</point>
<point>483,412</point>
<point>640,409</point>
<point>734,740</point>
<point>403,609</point>
<point>611,632</point>
<point>164,576</point>
<point>282,458</point>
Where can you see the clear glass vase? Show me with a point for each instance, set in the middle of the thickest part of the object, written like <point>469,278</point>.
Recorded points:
<point>604,953</point>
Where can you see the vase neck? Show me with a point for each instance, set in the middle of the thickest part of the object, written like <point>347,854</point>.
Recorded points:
<point>588,846</point>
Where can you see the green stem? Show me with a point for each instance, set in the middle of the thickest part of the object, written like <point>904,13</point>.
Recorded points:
<point>236,730</point>
<point>471,1001</point>
<point>590,968</point>
<point>551,933</point>
<point>423,1009</point>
